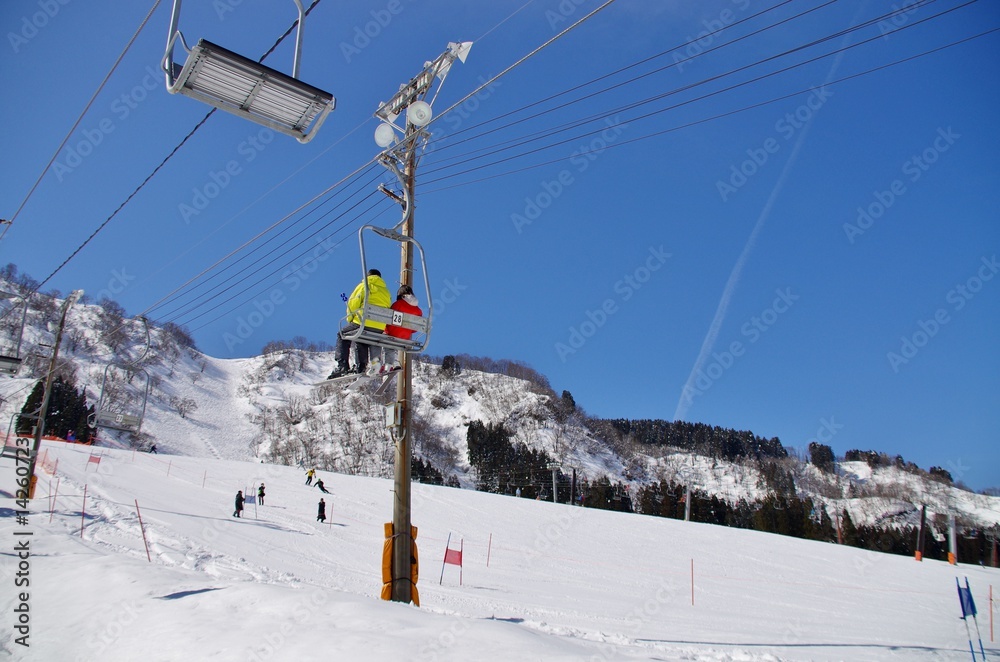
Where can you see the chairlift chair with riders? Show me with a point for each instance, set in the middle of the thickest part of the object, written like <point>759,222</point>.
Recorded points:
<point>233,83</point>
<point>122,405</point>
<point>420,325</point>
<point>10,351</point>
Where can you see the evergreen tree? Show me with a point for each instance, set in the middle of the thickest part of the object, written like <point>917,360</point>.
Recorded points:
<point>848,532</point>
<point>822,457</point>
<point>450,366</point>
<point>425,472</point>
<point>67,411</point>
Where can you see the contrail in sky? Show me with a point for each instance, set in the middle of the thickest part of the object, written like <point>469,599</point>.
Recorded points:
<point>687,393</point>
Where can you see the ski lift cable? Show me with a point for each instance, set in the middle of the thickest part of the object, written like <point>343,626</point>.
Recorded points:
<point>256,294</point>
<point>599,116</point>
<point>258,281</point>
<point>145,313</point>
<point>622,70</point>
<point>157,168</point>
<point>279,268</point>
<point>259,247</point>
<point>79,119</point>
<point>245,209</point>
<point>179,315</point>
<point>259,235</point>
<point>522,60</point>
<point>508,145</point>
<point>688,124</point>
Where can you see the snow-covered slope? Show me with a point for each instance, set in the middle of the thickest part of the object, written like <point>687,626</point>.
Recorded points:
<point>539,581</point>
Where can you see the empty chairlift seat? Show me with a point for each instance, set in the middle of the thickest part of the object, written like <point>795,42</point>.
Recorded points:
<point>246,88</point>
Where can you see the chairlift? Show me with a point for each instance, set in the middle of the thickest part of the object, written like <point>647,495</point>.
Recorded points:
<point>372,313</point>
<point>122,404</point>
<point>10,350</point>
<point>233,83</point>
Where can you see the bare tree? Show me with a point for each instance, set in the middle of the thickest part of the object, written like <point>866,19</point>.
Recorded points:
<point>183,406</point>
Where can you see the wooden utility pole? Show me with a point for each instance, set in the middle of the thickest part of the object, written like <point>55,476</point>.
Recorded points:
<point>401,549</point>
<point>44,408</point>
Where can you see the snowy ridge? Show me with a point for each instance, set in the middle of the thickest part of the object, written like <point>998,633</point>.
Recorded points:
<point>268,408</point>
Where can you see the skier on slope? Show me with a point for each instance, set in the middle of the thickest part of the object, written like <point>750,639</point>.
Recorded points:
<point>260,494</point>
<point>321,514</point>
<point>239,504</point>
<point>309,476</point>
<point>319,484</point>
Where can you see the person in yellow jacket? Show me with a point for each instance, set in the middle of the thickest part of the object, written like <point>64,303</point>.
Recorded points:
<point>378,295</point>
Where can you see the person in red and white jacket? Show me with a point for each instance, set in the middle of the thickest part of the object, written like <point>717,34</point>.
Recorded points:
<point>406,302</point>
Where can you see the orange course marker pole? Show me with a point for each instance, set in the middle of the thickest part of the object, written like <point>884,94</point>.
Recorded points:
<point>692,582</point>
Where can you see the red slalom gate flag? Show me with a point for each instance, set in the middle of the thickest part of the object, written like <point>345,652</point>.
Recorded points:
<point>453,556</point>
<point>96,459</point>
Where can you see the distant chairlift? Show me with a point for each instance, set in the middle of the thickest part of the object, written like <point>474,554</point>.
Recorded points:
<point>243,87</point>
<point>124,392</point>
<point>372,313</point>
<point>10,350</point>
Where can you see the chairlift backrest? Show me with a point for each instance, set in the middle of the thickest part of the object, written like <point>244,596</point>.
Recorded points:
<point>246,88</point>
<point>120,411</point>
<point>10,353</point>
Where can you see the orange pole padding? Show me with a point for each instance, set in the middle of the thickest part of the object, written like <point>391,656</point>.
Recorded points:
<point>387,562</point>
<point>951,558</point>
<point>414,567</point>
<point>387,544</point>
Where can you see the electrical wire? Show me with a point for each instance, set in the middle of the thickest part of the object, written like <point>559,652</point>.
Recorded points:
<point>681,126</point>
<point>260,246</point>
<point>529,138</point>
<point>522,60</point>
<point>592,81</point>
<point>79,119</point>
<point>281,266</point>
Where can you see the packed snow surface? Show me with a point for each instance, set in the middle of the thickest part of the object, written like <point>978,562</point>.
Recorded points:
<point>539,581</point>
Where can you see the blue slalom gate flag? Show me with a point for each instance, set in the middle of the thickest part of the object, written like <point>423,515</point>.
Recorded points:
<point>965,597</point>
<point>969,610</point>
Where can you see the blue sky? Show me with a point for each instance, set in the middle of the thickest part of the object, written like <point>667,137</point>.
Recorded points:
<point>810,255</point>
